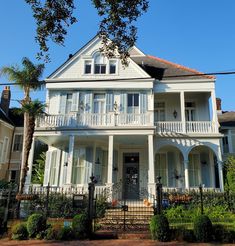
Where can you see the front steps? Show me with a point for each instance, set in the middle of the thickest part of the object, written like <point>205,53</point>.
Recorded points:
<point>135,219</point>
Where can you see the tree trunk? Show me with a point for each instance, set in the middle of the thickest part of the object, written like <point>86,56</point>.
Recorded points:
<point>29,126</point>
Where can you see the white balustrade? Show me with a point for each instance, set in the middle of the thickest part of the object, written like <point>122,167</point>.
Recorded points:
<point>190,127</point>
<point>94,120</point>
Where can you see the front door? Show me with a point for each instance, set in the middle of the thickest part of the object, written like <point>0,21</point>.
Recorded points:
<point>131,176</point>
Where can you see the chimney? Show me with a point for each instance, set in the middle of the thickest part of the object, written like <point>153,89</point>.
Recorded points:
<point>218,106</point>
<point>5,99</point>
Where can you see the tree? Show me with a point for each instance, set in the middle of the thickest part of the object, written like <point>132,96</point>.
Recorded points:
<point>117,18</point>
<point>27,79</point>
<point>38,169</point>
<point>32,109</point>
<point>230,174</point>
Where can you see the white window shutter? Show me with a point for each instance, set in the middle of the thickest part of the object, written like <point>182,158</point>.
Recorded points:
<point>109,101</point>
<point>47,168</point>
<point>88,101</point>
<point>143,102</point>
<point>75,101</point>
<point>123,102</point>
<point>63,98</point>
<point>58,159</point>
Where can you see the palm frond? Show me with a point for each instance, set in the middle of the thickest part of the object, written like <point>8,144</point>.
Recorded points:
<point>33,108</point>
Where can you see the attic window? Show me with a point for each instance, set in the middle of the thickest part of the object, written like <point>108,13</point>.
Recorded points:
<point>87,67</point>
<point>100,64</point>
<point>112,67</point>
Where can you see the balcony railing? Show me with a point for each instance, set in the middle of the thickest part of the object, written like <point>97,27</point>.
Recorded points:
<point>187,127</point>
<point>95,120</point>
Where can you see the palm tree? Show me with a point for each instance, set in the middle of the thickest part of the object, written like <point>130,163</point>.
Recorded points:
<point>32,109</point>
<point>27,79</point>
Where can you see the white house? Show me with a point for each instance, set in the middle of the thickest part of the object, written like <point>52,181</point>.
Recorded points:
<point>128,125</point>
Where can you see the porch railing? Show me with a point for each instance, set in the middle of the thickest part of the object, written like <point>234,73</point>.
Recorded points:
<point>93,120</point>
<point>187,127</point>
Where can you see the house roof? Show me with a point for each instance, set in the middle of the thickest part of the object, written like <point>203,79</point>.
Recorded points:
<point>5,118</point>
<point>164,70</point>
<point>227,118</point>
<point>12,119</point>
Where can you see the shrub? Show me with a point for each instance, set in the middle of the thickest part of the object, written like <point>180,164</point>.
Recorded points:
<point>52,232</point>
<point>36,224</point>
<point>19,231</point>
<point>80,226</point>
<point>159,227</point>
<point>202,228</point>
<point>66,233</point>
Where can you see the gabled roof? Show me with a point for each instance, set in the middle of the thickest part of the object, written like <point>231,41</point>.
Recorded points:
<point>165,70</point>
<point>227,119</point>
<point>5,118</point>
<point>12,119</point>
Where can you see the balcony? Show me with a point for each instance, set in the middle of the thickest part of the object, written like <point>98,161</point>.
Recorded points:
<point>94,120</point>
<point>187,127</point>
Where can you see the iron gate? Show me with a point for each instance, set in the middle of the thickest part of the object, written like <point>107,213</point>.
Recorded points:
<point>115,211</point>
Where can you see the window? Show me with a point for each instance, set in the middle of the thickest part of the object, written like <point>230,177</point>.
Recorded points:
<point>79,167</point>
<point>18,142</point>
<point>68,103</point>
<point>13,175</point>
<point>99,103</point>
<point>190,111</point>
<point>133,103</point>
<point>159,111</point>
<point>194,170</point>
<point>225,144</point>
<point>161,167</point>
<point>100,64</point>
<point>5,148</point>
<point>1,145</point>
<point>112,67</point>
<point>53,168</point>
<point>87,67</point>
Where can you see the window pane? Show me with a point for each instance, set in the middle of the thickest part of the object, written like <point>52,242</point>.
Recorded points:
<point>103,69</point>
<point>136,99</point>
<point>88,68</point>
<point>112,68</point>
<point>129,100</point>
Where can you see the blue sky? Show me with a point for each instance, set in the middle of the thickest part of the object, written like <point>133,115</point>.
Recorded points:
<point>199,34</point>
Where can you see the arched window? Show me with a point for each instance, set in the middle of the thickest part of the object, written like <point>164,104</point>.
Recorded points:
<point>100,63</point>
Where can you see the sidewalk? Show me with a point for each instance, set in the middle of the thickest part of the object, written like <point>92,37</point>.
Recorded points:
<point>117,242</point>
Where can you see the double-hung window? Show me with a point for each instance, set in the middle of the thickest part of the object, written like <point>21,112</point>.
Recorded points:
<point>87,67</point>
<point>68,103</point>
<point>100,64</point>
<point>18,142</point>
<point>112,67</point>
<point>133,103</point>
<point>159,111</point>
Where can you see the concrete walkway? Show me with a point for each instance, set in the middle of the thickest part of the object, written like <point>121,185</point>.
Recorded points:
<point>117,242</point>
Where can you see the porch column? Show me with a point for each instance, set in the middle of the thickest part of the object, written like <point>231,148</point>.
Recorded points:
<point>70,160</point>
<point>30,165</point>
<point>110,162</point>
<point>212,169</point>
<point>221,176</point>
<point>182,108</point>
<point>214,111</point>
<point>151,171</point>
<point>186,174</point>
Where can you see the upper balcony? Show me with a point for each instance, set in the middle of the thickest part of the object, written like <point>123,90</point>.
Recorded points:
<point>91,120</point>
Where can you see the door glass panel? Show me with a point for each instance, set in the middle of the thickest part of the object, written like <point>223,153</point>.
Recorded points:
<point>131,176</point>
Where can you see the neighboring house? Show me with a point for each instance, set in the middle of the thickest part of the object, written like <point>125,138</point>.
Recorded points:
<point>11,139</point>
<point>128,125</point>
<point>227,128</point>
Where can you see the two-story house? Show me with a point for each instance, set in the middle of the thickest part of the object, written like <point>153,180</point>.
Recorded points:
<point>128,125</point>
<point>227,128</point>
<point>11,139</point>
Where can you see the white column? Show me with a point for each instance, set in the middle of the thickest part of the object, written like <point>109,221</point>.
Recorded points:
<point>182,109</point>
<point>70,160</point>
<point>221,176</point>
<point>110,162</point>
<point>186,174</point>
<point>151,171</point>
<point>30,164</point>
<point>212,169</point>
<point>214,110</point>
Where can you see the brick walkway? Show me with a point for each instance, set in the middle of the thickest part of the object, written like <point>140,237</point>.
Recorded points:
<point>118,242</point>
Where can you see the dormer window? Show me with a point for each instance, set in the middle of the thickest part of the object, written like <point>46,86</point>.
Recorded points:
<point>112,67</point>
<point>100,64</point>
<point>87,67</point>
